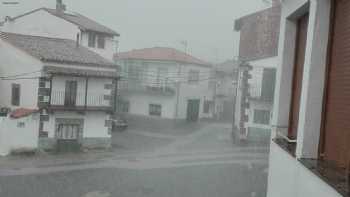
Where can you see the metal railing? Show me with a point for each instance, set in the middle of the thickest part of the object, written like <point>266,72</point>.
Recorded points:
<point>256,93</point>
<point>60,98</point>
<point>167,88</point>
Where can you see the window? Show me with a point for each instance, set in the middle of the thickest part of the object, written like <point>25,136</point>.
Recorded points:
<point>16,94</point>
<point>68,131</point>
<point>101,41</point>
<point>206,106</point>
<point>193,76</point>
<point>21,124</point>
<point>262,117</point>
<point>92,39</point>
<point>155,110</point>
<point>124,106</point>
<point>70,93</point>
<point>268,84</point>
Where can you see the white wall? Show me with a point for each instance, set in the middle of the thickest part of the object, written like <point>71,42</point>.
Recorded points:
<point>256,83</point>
<point>258,105</point>
<point>139,104</point>
<point>14,138</point>
<point>176,72</point>
<point>198,90</point>
<point>110,46</point>
<point>14,62</point>
<point>42,23</point>
<point>289,178</point>
<point>94,123</point>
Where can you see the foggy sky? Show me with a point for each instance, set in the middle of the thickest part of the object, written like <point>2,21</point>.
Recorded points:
<point>207,25</point>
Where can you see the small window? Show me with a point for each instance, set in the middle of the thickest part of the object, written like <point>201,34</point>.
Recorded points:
<point>92,39</point>
<point>155,110</point>
<point>124,106</point>
<point>193,76</point>
<point>21,124</point>
<point>262,117</point>
<point>101,41</point>
<point>16,94</point>
<point>206,107</point>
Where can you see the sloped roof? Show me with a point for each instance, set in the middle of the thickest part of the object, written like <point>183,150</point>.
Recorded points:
<point>160,54</point>
<point>80,72</point>
<point>22,112</point>
<point>228,66</point>
<point>82,21</point>
<point>55,50</point>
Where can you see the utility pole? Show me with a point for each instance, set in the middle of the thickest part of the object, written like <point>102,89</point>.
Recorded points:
<point>235,80</point>
<point>177,84</point>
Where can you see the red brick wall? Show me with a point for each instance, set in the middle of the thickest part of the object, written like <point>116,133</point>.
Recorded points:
<point>259,34</point>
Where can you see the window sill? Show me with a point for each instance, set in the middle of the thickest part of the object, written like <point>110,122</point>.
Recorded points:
<point>289,147</point>
<point>333,176</point>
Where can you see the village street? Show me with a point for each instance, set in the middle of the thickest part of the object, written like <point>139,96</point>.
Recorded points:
<point>145,163</point>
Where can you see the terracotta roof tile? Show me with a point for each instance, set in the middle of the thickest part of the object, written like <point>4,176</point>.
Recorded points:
<point>55,50</point>
<point>162,54</point>
<point>83,22</point>
<point>22,112</point>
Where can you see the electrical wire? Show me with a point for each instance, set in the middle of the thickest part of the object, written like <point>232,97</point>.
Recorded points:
<point>20,75</point>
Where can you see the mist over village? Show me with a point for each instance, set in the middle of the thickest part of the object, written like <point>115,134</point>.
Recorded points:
<point>179,98</point>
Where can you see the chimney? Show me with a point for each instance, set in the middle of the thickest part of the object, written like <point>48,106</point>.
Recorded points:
<point>60,7</point>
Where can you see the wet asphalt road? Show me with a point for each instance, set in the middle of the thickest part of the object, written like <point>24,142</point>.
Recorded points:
<point>202,164</point>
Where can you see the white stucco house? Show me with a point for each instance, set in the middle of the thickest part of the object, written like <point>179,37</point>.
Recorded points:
<point>310,148</point>
<point>259,34</point>
<point>60,23</point>
<point>71,87</point>
<point>164,83</point>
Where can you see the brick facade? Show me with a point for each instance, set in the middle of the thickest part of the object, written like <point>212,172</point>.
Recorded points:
<point>259,34</point>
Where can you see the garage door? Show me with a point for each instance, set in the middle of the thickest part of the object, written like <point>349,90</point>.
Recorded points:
<point>337,103</point>
<point>298,75</point>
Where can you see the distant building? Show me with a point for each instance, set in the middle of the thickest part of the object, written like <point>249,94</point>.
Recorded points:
<point>70,87</point>
<point>60,23</point>
<point>224,88</point>
<point>258,56</point>
<point>164,83</point>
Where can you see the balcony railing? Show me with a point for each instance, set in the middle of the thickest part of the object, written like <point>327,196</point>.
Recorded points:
<point>257,93</point>
<point>60,99</point>
<point>166,88</point>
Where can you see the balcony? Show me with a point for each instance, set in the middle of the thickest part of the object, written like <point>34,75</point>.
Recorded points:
<point>258,94</point>
<point>165,89</point>
<point>60,100</point>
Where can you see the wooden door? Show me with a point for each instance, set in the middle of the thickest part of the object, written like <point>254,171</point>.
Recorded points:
<point>300,48</point>
<point>336,141</point>
<point>193,110</point>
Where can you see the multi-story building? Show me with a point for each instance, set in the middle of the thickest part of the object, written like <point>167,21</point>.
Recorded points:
<point>166,83</point>
<point>224,87</point>
<point>71,87</point>
<point>60,23</point>
<point>310,151</point>
<point>259,34</point>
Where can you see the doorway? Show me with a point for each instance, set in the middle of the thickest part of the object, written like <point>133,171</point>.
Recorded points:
<point>193,110</point>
